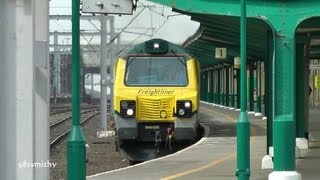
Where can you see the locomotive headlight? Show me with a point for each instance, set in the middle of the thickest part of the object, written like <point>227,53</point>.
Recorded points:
<point>127,108</point>
<point>184,108</point>
<point>181,112</point>
<point>187,104</point>
<point>156,45</point>
<point>129,112</point>
<point>124,104</point>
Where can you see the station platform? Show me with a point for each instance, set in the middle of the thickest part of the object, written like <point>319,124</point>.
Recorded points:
<point>214,156</point>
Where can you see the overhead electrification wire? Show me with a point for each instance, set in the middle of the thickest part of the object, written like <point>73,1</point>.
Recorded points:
<point>161,14</point>
<point>135,17</point>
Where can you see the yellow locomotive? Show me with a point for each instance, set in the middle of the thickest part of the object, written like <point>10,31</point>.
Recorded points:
<point>156,87</point>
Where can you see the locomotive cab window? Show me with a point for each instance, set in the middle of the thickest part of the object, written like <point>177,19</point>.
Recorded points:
<point>156,71</point>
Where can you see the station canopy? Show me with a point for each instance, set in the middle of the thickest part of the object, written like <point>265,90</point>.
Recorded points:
<point>219,29</point>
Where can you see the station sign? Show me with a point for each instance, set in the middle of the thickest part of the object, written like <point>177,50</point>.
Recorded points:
<point>221,53</point>
<point>107,6</point>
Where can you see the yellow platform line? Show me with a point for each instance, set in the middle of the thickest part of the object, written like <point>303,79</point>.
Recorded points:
<point>218,161</point>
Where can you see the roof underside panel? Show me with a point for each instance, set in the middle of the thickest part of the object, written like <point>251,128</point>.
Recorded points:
<point>220,26</point>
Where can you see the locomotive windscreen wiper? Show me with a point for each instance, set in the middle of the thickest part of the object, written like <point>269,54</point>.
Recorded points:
<point>179,58</point>
<point>130,60</point>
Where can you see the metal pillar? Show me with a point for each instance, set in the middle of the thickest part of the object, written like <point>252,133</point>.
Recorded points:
<point>251,88</point>
<point>306,86</point>
<point>56,65</point>
<point>208,86</point>
<point>212,86</point>
<point>227,86</point>
<point>233,90</point>
<point>202,86</point>
<point>215,100</point>
<point>243,124</point>
<point>219,87</point>
<point>76,142</point>
<point>258,107</point>
<point>269,90</point>
<point>238,88</point>
<point>104,79</point>
<point>284,103</point>
<point>112,60</point>
<point>300,95</point>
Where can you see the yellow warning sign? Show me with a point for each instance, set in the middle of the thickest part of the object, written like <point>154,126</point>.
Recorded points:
<point>317,81</point>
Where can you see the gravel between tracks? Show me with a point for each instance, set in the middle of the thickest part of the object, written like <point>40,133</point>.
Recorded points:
<point>101,154</point>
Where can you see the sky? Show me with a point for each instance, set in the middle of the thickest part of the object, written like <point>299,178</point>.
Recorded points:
<point>159,22</point>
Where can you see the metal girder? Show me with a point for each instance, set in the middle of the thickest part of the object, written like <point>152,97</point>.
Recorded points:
<point>208,34</point>
<point>210,49</point>
<point>255,8</point>
<point>254,54</point>
<point>85,33</point>
<point>83,17</point>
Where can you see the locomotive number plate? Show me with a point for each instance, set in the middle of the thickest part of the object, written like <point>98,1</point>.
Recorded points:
<point>151,127</point>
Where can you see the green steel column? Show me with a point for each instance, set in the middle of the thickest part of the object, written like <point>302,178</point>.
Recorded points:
<point>269,90</point>
<point>300,80</point>
<point>223,87</point>
<point>227,86</point>
<point>284,102</point>
<point>202,86</point>
<point>238,88</point>
<point>76,142</point>
<point>216,87</point>
<point>206,86</point>
<point>243,124</point>
<point>212,86</point>
<point>233,90</point>
<point>258,109</point>
<point>219,87</point>
<point>251,89</point>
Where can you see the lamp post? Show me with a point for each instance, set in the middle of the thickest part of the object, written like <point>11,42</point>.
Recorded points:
<point>243,124</point>
<point>76,151</point>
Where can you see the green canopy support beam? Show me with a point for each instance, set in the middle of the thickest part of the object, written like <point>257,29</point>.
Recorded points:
<point>300,121</point>
<point>202,86</point>
<point>284,130</point>
<point>302,94</point>
<point>223,83</point>
<point>251,89</point>
<point>238,88</point>
<point>269,91</point>
<point>219,87</point>
<point>227,87</point>
<point>258,92</point>
<point>209,86</point>
<point>206,86</point>
<point>284,100</point>
<point>232,89</point>
<point>212,86</point>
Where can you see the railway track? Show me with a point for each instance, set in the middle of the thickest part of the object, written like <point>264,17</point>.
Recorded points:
<point>63,109</point>
<point>61,129</point>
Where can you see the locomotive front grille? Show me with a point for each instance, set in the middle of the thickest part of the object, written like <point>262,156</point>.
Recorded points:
<point>150,108</point>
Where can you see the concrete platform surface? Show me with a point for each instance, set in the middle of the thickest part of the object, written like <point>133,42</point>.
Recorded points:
<point>214,156</point>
